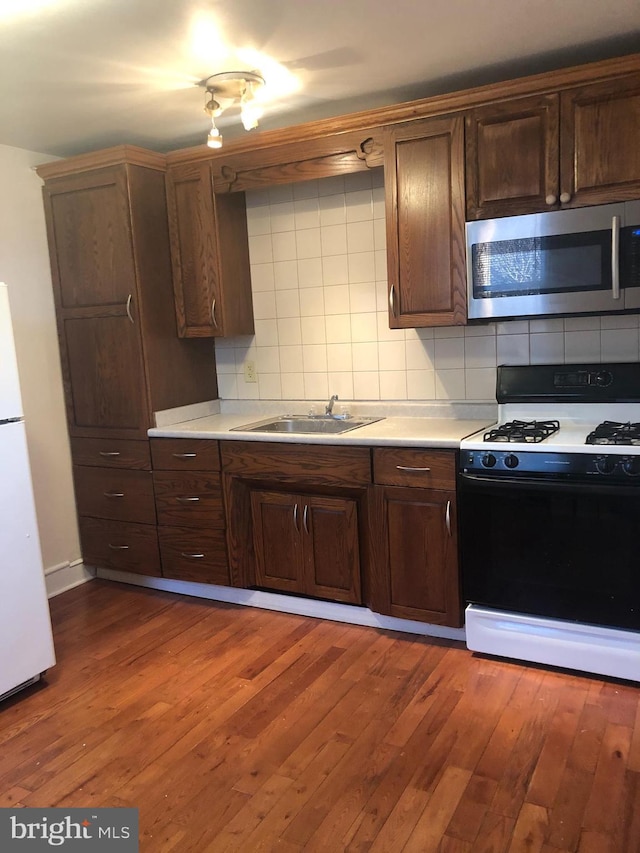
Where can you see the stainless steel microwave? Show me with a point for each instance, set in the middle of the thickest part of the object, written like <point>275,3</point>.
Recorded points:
<point>579,261</point>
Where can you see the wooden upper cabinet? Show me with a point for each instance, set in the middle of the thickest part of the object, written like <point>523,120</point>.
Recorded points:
<point>209,255</point>
<point>600,142</point>
<point>512,157</point>
<point>424,185</point>
<point>571,149</point>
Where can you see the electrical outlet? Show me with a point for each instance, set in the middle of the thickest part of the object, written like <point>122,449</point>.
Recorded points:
<point>250,374</point>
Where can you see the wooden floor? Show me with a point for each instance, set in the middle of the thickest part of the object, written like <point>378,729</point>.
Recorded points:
<point>239,729</point>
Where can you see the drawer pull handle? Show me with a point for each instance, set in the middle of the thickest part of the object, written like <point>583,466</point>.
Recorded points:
<point>187,500</point>
<point>113,494</point>
<point>109,453</point>
<point>129,309</point>
<point>447,517</point>
<point>188,556</point>
<point>118,547</point>
<point>305,515</point>
<point>411,468</point>
<point>185,455</point>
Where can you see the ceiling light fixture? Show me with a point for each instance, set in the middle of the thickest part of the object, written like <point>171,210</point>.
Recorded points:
<point>227,89</point>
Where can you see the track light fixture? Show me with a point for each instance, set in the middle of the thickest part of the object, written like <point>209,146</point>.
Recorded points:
<point>227,89</point>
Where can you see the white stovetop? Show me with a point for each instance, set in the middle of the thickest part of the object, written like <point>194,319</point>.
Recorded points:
<point>576,422</point>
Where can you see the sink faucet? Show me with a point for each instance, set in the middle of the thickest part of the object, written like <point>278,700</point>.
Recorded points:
<point>329,407</point>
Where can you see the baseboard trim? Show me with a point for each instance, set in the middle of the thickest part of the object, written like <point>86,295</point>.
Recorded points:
<point>66,576</point>
<point>333,611</point>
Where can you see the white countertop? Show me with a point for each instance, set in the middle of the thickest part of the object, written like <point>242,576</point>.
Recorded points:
<point>392,430</point>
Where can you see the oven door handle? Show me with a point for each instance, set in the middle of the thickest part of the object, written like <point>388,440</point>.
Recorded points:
<point>473,482</point>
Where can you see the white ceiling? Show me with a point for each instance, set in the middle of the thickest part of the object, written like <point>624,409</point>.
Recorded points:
<point>78,75</point>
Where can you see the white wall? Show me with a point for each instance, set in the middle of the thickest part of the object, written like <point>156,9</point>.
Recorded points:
<point>24,266</point>
<point>319,279</point>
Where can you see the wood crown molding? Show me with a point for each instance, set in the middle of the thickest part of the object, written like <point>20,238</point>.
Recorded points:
<point>537,84</point>
<point>549,81</point>
<point>116,156</point>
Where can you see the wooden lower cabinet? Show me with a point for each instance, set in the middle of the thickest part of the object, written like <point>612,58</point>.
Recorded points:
<point>419,555</point>
<point>190,510</point>
<point>191,555</point>
<point>120,545</point>
<point>115,503</point>
<point>414,529</point>
<point>307,544</point>
<point>297,517</point>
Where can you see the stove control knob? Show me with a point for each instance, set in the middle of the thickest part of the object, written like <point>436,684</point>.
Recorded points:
<point>631,466</point>
<point>605,464</point>
<point>603,378</point>
<point>511,460</point>
<point>489,460</point>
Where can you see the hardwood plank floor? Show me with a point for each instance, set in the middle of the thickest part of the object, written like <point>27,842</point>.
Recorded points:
<point>234,729</point>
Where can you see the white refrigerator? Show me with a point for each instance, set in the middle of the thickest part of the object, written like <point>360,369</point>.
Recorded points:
<point>26,642</point>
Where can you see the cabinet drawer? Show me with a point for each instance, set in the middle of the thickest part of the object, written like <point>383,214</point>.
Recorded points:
<point>119,494</point>
<point>111,453</point>
<point>189,500</point>
<point>120,545</point>
<point>427,469</point>
<point>194,555</point>
<point>185,454</point>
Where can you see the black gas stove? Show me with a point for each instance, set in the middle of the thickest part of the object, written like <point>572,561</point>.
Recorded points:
<point>549,510</point>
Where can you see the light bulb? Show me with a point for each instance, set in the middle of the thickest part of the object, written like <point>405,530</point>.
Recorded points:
<point>250,112</point>
<point>214,140</point>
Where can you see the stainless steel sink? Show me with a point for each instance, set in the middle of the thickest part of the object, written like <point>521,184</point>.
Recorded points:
<point>307,424</point>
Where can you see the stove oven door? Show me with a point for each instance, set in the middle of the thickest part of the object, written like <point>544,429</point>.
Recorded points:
<point>554,549</point>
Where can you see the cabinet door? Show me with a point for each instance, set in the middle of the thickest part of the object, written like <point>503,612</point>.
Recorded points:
<point>419,553</point>
<point>512,157</point>
<point>600,154</point>
<point>104,377</point>
<point>91,228</point>
<point>209,255</point>
<point>277,517</point>
<point>424,180</point>
<point>330,545</point>
<point>194,248</point>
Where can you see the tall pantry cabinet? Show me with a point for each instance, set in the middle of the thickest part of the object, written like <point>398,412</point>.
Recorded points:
<point>121,357</point>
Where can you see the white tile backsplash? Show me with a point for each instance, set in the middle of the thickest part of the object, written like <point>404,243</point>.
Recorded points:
<point>319,279</point>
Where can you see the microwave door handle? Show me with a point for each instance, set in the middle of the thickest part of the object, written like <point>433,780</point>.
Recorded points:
<point>615,257</point>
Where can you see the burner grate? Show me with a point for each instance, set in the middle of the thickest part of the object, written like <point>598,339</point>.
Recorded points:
<point>522,431</point>
<point>612,432</point>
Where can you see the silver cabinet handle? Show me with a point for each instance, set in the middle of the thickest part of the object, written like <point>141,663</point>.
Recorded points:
<point>305,515</point>
<point>185,455</point>
<point>213,313</point>
<point>447,517</point>
<point>295,517</point>
<point>129,308</point>
<point>109,452</point>
<point>615,257</point>
<point>187,500</point>
<point>392,300</point>
<point>118,547</point>
<point>565,197</point>
<point>411,468</point>
<point>113,494</point>
<point>188,556</point>
<point>551,199</point>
